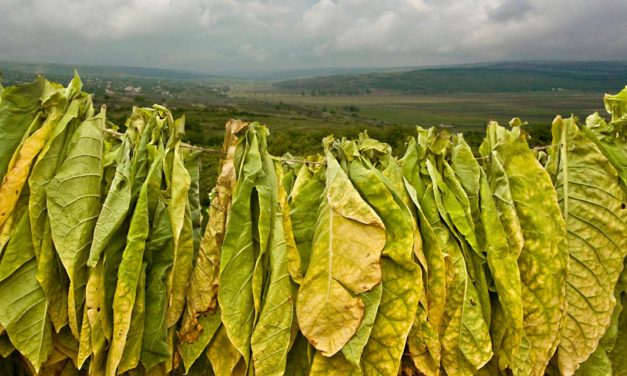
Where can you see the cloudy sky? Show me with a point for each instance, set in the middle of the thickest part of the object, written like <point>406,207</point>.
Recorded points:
<point>222,35</point>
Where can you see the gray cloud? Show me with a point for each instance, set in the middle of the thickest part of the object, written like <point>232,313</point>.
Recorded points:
<point>218,35</point>
<point>511,10</point>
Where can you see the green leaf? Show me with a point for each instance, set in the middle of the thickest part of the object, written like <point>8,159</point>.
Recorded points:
<point>92,339</point>
<point>270,339</point>
<point>182,230</point>
<point>135,336</point>
<point>294,266</point>
<point>544,256</point>
<point>464,336</point>
<point>116,205</point>
<point>617,355</point>
<point>158,254</point>
<point>348,240</point>
<point>147,125</point>
<point>200,368</point>
<point>452,200</point>
<point>20,166</point>
<point>73,202</point>
<point>611,138</point>
<point>455,210</point>
<point>592,201</point>
<point>108,281</point>
<point>612,145</point>
<point>50,272</point>
<point>599,362</point>
<point>503,264</point>
<point>130,267</point>
<point>246,237</point>
<point>192,164</point>
<point>355,347</point>
<point>304,201</point>
<point>225,358</point>
<point>439,197</point>
<point>48,163</point>
<point>300,357</point>
<point>23,313</point>
<point>424,345</point>
<point>435,258</point>
<point>501,191</point>
<point>19,106</point>
<point>14,255</point>
<point>464,177</point>
<point>467,171</point>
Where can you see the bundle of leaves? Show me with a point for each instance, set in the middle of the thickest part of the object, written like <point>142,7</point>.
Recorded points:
<point>99,235</point>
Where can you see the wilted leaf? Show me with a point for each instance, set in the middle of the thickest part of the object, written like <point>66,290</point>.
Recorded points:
<point>344,263</point>
<point>203,289</point>
<point>209,325</point>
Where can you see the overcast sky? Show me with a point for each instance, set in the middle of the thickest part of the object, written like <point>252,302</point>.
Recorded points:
<point>222,35</point>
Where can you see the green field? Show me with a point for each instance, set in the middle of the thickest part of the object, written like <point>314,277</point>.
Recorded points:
<point>464,111</point>
<point>306,117</point>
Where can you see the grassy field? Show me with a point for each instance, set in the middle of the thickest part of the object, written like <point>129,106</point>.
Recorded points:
<point>462,112</point>
<point>466,110</point>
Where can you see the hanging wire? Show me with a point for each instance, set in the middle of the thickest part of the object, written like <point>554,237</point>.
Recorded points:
<point>537,148</point>
<point>297,160</point>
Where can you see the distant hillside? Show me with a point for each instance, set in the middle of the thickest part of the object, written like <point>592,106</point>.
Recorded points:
<point>63,72</point>
<point>298,73</point>
<point>123,83</point>
<point>498,77</point>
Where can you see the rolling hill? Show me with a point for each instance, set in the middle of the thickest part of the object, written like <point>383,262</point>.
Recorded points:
<point>486,78</point>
